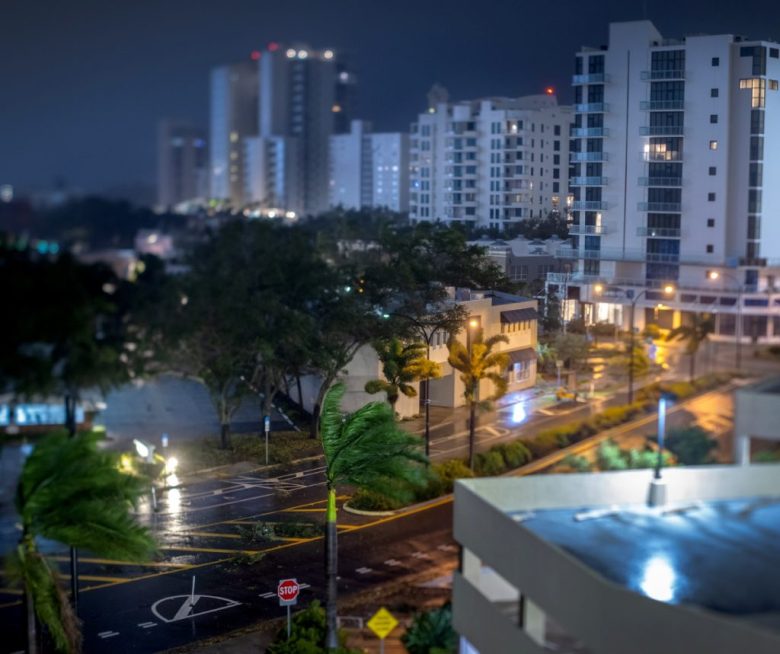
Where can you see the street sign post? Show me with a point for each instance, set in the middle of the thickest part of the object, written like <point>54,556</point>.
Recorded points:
<point>287,591</point>
<point>267,428</point>
<point>382,623</point>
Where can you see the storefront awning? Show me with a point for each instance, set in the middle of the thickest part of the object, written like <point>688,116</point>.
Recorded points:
<point>521,356</point>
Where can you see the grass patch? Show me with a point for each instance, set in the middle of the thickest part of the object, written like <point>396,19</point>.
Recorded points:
<point>284,447</point>
<point>262,531</point>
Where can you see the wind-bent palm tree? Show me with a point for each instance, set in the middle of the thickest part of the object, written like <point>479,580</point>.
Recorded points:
<point>694,334</point>
<point>73,493</point>
<point>368,450</point>
<point>402,364</point>
<point>476,362</point>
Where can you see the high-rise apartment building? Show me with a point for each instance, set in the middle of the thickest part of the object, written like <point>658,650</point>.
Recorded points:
<point>305,96</point>
<point>234,104</point>
<point>674,146</point>
<point>182,164</point>
<point>369,169</point>
<point>490,162</point>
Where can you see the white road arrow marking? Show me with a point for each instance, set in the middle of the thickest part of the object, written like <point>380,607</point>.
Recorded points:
<point>363,570</point>
<point>422,556</point>
<point>392,562</point>
<point>108,634</point>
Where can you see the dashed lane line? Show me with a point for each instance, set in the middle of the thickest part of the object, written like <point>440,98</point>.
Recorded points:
<point>108,634</point>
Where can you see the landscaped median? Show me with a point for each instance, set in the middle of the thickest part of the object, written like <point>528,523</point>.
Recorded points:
<point>546,448</point>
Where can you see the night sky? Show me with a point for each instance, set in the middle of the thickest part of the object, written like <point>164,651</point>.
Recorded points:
<point>84,82</point>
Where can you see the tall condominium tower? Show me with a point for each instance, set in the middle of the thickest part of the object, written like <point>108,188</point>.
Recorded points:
<point>369,169</point>
<point>305,96</point>
<point>674,146</point>
<point>490,162</point>
<point>233,119</point>
<point>182,163</point>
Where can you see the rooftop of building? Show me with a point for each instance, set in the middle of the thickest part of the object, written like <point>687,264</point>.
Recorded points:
<point>521,246</point>
<point>711,546</point>
<point>722,556</point>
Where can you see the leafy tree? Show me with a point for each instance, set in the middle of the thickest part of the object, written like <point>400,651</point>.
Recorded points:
<point>572,349</point>
<point>641,361</point>
<point>546,356</point>
<point>431,633</point>
<point>74,493</point>
<point>694,334</point>
<point>365,449</point>
<point>691,445</point>
<point>68,333</point>
<point>475,364</point>
<point>308,630</point>
<point>402,364</point>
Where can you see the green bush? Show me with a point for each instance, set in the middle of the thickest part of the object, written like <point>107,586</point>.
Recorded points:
<point>366,500</point>
<point>490,463</point>
<point>577,463</point>
<point>307,634</point>
<point>547,441</point>
<point>515,453</point>
<point>447,472</point>
<point>771,456</point>
<point>691,445</point>
<point>431,633</point>
<point>616,415</point>
<point>610,457</point>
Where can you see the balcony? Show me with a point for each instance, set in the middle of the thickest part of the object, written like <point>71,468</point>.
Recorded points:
<point>590,78</point>
<point>673,182</point>
<point>588,181</point>
<point>589,131</point>
<point>588,230</point>
<point>652,75</point>
<point>661,130</point>
<point>661,105</point>
<point>658,232</point>
<point>587,156</point>
<point>669,155</point>
<point>589,205</point>
<point>671,207</point>
<point>590,107</point>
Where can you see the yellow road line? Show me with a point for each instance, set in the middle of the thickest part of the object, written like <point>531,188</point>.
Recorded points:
<point>209,534</point>
<point>96,578</point>
<point>306,510</point>
<point>275,548</point>
<point>246,519</point>
<point>148,564</point>
<point>211,550</point>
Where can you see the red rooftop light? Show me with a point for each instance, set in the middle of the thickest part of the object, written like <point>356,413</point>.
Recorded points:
<point>550,90</point>
<point>255,55</point>
<point>273,46</point>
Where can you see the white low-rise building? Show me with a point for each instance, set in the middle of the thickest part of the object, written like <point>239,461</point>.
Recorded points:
<point>495,313</point>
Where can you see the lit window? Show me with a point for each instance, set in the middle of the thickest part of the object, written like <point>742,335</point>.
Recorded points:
<point>713,145</point>
<point>757,85</point>
<point>233,137</point>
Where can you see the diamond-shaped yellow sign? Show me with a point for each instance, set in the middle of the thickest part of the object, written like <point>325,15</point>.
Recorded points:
<point>382,623</point>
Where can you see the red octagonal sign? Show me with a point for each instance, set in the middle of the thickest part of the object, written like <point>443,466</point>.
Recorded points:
<point>287,591</point>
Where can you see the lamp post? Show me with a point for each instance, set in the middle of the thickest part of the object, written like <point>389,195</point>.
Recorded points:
<point>714,274</point>
<point>661,435</point>
<point>472,324</point>
<point>668,289</point>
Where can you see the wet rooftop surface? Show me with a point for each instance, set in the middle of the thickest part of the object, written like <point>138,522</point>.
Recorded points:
<point>723,556</point>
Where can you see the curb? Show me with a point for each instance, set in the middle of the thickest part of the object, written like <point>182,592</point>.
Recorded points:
<point>363,512</point>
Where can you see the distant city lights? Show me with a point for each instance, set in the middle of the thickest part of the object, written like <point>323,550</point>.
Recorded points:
<point>328,54</point>
<point>291,53</point>
<point>302,54</point>
<point>550,90</point>
<point>273,46</point>
<point>255,55</point>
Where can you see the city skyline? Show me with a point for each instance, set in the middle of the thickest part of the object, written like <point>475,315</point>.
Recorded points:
<point>117,73</point>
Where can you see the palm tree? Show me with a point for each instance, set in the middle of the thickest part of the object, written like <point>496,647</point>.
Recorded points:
<point>694,334</point>
<point>476,362</point>
<point>368,450</point>
<point>402,363</point>
<point>73,493</point>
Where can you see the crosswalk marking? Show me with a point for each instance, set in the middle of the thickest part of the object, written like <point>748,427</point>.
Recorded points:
<point>147,625</point>
<point>392,562</point>
<point>363,570</point>
<point>108,634</point>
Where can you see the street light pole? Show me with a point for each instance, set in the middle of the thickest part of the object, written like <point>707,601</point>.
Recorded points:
<point>661,436</point>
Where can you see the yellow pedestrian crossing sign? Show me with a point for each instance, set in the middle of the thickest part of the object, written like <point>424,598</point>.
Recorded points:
<point>382,623</point>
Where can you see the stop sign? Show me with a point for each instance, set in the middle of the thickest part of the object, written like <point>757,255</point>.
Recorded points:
<point>288,590</point>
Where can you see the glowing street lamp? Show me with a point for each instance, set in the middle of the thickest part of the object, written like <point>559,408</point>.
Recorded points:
<point>668,289</point>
